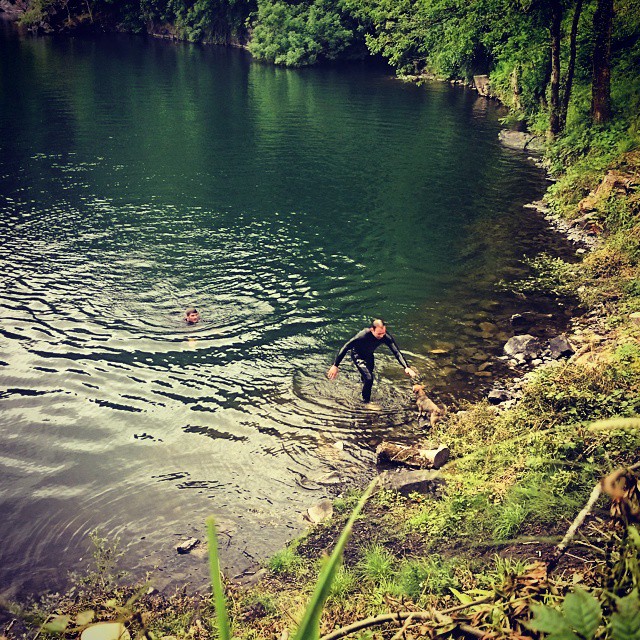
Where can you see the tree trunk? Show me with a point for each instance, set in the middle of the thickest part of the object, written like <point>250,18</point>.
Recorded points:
<point>515,87</point>
<point>540,93</point>
<point>601,84</point>
<point>566,96</point>
<point>554,98</point>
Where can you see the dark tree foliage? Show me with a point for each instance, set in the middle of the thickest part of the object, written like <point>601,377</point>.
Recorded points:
<point>219,21</point>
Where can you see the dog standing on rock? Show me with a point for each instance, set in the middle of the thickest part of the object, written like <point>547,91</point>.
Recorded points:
<point>427,407</point>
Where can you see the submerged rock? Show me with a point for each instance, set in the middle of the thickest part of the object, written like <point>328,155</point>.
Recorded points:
<point>187,545</point>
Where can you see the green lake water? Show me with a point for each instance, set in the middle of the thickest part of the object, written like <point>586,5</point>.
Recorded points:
<point>139,177</point>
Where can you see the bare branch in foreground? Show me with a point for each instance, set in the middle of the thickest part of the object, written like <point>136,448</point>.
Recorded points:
<point>575,525</point>
<point>400,617</point>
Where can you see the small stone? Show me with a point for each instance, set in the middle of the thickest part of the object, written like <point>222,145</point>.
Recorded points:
<point>498,396</point>
<point>187,545</point>
<point>322,511</point>
<point>339,445</point>
<point>635,318</point>
<point>106,631</point>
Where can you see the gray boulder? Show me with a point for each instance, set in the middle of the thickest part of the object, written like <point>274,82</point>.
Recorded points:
<point>524,346</point>
<point>405,481</point>
<point>520,140</point>
<point>560,347</point>
<point>482,85</point>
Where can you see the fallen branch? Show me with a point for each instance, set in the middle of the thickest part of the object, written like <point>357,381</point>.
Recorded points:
<point>403,629</point>
<point>401,616</point>
<point>575,525</point>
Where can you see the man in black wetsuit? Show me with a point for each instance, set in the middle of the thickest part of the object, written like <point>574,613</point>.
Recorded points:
<point>362,346</point>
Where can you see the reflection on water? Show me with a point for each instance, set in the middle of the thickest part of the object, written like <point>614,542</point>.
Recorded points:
<point>138,178</point>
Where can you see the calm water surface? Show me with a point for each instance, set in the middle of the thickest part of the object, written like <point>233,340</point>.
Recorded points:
<point>138,178</point>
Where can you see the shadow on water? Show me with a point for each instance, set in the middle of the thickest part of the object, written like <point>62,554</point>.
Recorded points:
<point>139,178</point>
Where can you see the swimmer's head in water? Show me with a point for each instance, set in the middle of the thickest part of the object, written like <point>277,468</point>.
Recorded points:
<point>191,315</point>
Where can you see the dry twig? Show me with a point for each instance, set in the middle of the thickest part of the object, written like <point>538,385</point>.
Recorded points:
<point>575,525</point>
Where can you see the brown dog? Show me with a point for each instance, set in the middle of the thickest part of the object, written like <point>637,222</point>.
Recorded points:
<point>427,407</point>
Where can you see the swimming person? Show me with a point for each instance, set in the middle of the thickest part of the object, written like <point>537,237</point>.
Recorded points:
<point>191,315</point>
<point>362,346</point>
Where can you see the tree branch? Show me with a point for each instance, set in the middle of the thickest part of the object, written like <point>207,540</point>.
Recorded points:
<point>575,525</point>
<point>401,616</point>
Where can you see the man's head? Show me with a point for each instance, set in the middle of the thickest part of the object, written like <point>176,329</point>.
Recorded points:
<point>191,315</point>
<point>378,328</point>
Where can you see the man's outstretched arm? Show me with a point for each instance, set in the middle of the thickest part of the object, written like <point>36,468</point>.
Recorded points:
<point>393,346</point>
<point>342,352</point>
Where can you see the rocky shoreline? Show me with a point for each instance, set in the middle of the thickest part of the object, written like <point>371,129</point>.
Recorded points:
<point>524,353</point>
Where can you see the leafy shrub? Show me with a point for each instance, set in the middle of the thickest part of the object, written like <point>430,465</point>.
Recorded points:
<point>431,575</point>
<point>301,34</point>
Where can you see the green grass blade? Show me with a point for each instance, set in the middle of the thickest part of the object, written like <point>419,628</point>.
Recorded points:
<point>216,583</point>
<point>309,628</point>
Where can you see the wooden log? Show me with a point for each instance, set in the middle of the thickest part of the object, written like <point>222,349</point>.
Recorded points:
<point>413,456</point>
